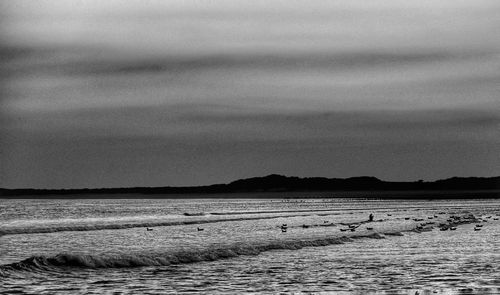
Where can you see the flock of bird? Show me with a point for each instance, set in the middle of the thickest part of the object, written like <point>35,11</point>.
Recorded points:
<point>453,221</point>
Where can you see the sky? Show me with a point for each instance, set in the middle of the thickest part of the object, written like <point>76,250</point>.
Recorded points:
<point>123,93</point>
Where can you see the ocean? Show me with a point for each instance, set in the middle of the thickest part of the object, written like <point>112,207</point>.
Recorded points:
<point>250,245</point>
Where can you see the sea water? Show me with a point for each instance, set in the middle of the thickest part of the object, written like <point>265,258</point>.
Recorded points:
<point>238,246</point>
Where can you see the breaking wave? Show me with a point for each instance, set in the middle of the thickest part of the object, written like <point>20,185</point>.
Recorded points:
<point>67,260</point>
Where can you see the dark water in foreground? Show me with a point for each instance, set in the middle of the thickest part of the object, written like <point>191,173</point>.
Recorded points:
<point>102,246</point>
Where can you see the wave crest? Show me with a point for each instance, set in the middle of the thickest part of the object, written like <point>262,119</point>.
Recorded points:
<point>113,226</point>
<point>68,260</point>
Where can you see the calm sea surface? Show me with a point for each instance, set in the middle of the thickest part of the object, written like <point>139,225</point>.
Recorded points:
<point>136,246</point>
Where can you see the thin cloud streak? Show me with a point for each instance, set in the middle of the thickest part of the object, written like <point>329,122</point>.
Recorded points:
<point>241,124</point>
<point>178,64</point>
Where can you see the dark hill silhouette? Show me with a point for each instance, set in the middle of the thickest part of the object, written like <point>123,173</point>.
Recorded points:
<point>280,183</point>
<point>275,182</point>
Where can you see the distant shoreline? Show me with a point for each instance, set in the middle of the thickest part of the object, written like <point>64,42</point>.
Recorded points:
<point>278,186</point>
<point>286,196</point>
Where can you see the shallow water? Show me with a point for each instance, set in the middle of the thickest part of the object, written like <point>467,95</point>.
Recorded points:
<point>102,246</point>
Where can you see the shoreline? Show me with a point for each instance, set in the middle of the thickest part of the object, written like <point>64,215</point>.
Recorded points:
<point>287,195</point>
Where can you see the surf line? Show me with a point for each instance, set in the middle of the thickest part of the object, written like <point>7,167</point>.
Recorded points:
<point>61,261</point>
<point>95,227</point>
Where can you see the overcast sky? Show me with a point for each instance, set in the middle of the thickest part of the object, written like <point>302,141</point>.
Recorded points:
<point>150,93</point>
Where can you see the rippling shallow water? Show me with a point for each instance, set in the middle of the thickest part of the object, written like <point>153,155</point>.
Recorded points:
<point>102,246</point>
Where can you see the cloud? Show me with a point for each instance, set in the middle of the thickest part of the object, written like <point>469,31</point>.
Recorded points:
<point>61,79</point>
<point>56,62</point>
<point>223,123</point>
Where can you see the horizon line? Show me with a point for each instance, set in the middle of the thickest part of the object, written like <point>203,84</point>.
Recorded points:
<point>254,177</point>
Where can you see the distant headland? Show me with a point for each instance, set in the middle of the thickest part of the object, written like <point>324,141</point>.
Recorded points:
<point>453,187</point>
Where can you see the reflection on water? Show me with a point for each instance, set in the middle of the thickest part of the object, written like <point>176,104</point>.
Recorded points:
<point>223,257</point>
